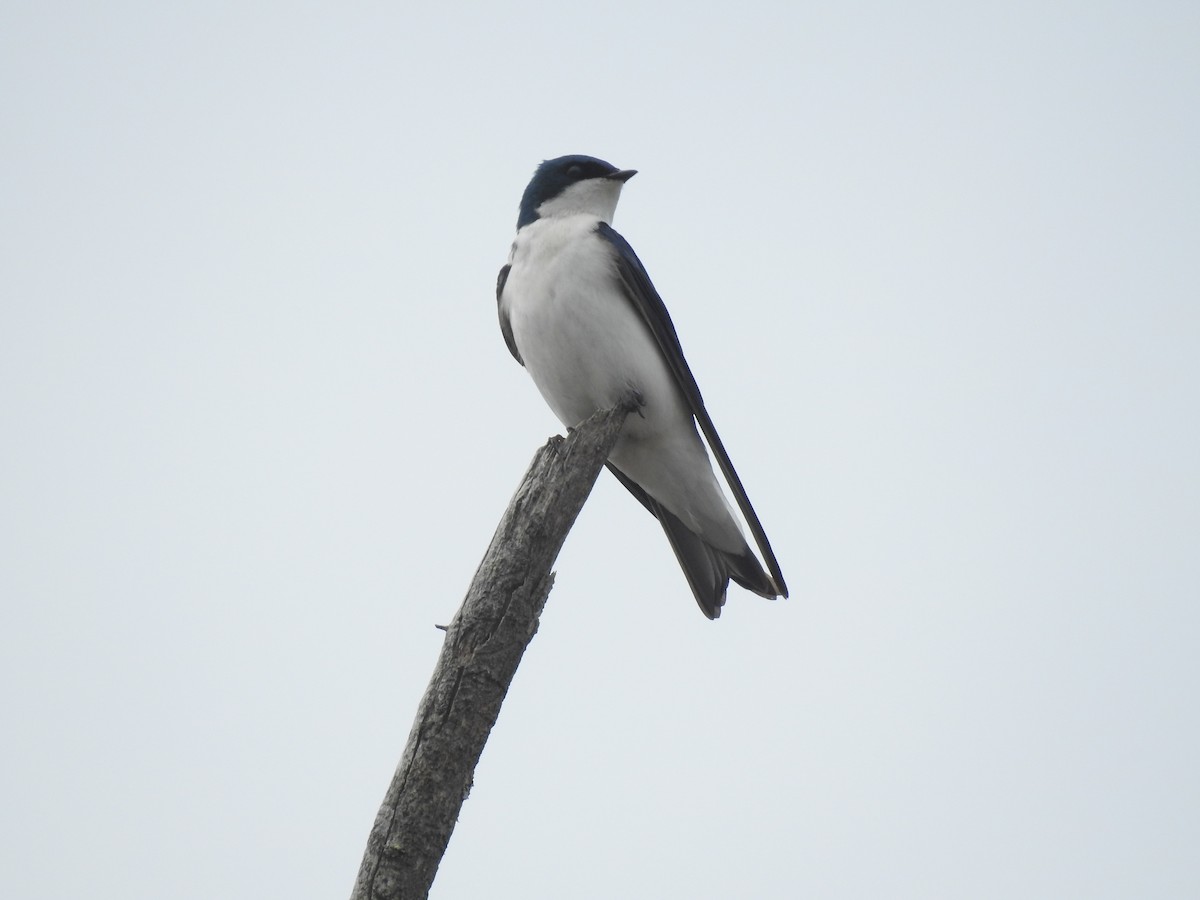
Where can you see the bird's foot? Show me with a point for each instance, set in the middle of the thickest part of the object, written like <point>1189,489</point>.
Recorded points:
<point>633,401</point>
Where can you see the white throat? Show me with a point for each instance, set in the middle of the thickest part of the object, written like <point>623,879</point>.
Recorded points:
<point>594,197</point>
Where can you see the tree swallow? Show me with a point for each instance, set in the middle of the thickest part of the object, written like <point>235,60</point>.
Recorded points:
<point>578,311</point>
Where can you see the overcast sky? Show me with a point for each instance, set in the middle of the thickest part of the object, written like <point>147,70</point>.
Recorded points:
<point>937,271</point>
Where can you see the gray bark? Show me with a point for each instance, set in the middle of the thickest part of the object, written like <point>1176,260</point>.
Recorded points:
<point>483,646</point>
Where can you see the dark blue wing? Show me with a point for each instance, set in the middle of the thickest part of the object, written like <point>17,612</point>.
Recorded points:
<point>505,325</point>
<point>645,299</point>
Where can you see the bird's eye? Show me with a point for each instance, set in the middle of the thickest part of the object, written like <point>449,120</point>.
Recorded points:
<point>574,171</point>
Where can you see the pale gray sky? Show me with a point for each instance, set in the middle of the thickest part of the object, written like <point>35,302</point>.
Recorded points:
<point>937,271</point>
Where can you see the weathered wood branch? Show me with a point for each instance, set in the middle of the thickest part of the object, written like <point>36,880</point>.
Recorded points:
<point>483,646</point>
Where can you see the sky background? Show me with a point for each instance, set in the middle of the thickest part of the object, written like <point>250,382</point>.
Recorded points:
<point>937,270</point>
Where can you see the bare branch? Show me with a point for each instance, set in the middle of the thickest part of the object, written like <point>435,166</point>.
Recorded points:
<point>482,649</point>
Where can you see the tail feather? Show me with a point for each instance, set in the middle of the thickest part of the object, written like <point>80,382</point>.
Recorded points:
<point>707,569</point>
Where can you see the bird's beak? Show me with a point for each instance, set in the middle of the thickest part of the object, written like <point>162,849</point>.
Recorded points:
<point>623,175</point>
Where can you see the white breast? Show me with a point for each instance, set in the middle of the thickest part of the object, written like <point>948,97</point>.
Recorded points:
<point>586,347</point>
<point>583,343</point>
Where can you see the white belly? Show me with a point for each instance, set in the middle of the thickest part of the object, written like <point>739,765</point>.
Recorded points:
<point>587,348</point>
<point>583,343</point>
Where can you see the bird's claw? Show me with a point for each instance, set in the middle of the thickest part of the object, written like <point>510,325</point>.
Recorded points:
<point>633,401</point>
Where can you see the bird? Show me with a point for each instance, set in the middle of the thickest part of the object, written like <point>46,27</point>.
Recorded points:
<point>578,310</point>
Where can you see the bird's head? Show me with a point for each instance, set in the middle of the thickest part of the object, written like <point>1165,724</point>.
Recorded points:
<point>573,184</point>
